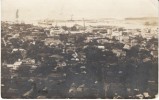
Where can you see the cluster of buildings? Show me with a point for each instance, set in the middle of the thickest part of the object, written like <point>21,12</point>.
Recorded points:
<point>78,61</point>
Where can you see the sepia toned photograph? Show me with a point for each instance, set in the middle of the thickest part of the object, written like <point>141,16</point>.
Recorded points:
<point>79,49</point>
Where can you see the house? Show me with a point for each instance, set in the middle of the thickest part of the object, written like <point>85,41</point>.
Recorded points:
<point>57,57</point>
<point>74,59</point>
<point>102,40</point>
<point>75,55</point>
<point>134,42</point>
<point>146,94</point>
<point>81,56</point>
<point>55,31</point>
<point>137,33</point>
<point>61,64</point>
<point>146,59</point>
<point>10,65</point>
<point>16,49</point>
<point>109,36</point>
<point>82,67</point>
<point>78,27</point>
<point>28,38</point>
<point>124,39</point>
<point>33,67</point>
<point>16,35</point>
<point>89,29</point>
<point>154,53</point>
<point>153,47</point>
<point>52,41</point>
<point>100,47</point>
<point>147,35</point>
<point>74,88</point>
<point>127,47</point>
<point>109,31</point>
<point>55,75</point>
<point>75,32</point>
<point>28,61</point>
<point>119,52</point>
<point>139,96</point>
<point>81,88</point>
<point>12,92</point>
<point>116,33</point>
<point>16,65</point>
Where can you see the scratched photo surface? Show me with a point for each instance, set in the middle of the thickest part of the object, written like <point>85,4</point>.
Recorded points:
<point>79,49</point>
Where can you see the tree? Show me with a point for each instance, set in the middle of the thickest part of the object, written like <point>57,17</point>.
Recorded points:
<point>65,28</point>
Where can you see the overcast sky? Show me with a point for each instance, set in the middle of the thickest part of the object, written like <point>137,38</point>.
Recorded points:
<point>63,9</point>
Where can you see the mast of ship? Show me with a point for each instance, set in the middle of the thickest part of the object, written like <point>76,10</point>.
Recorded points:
<point>84,24</point>
<point>71,17</point>
<point>56,24</point>
<point>17,16</point>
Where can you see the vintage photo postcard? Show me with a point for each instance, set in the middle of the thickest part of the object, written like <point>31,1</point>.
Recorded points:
<point>79,49</point>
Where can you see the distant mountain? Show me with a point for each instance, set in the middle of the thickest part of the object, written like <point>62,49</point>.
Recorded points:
<point>148,21</point>
<point>142,18</point>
